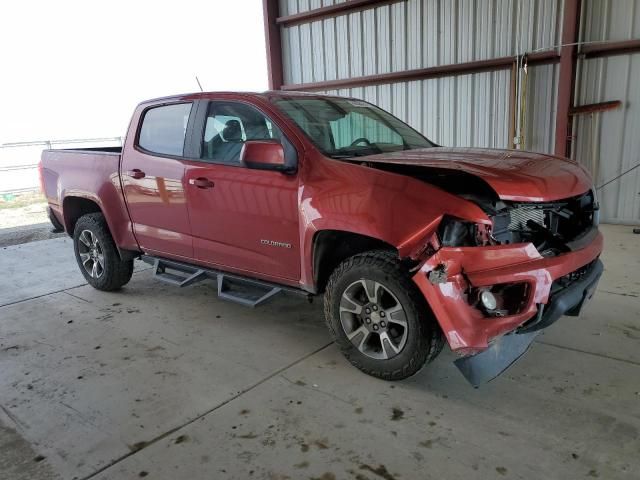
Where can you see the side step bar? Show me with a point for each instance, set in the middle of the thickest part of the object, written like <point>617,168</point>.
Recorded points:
<point>180,276</point>
<point>234,288</point>
<point>244,291</point>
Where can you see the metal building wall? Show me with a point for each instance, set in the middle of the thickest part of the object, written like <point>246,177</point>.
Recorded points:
<point>413,34</point>
<point>540,109</point>
<point>466,110</point>
<point>608,143</point>
<point>474,109</point>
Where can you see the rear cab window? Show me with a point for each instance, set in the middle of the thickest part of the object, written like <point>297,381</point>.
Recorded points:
<point>164,128</point>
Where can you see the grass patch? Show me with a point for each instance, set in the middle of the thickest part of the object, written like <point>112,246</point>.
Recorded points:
<point>19,200</point>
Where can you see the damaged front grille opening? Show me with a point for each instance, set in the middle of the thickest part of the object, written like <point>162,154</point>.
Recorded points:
<point>549,226</point>
<point>566,281</point>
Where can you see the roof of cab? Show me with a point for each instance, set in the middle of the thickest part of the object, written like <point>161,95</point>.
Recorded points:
<point>268,94</point>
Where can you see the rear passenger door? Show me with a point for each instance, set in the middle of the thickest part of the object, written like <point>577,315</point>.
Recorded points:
<point>242,219</point>
<point>152,175</point>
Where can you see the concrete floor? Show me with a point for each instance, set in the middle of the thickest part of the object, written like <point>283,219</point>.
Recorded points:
<point>164,383</point>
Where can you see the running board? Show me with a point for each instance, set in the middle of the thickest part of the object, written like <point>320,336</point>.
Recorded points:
<point>244,291</point>
<point>233,288</point>
<point>179,275</point>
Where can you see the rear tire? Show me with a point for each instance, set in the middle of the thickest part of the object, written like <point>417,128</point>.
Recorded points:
<point>97,255</point>
<point>379,318</point>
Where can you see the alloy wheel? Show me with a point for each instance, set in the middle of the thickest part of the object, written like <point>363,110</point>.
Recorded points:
<point>91,254</point>
<point>373,319</point>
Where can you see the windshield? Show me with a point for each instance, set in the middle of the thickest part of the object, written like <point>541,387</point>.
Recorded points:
<point>343,128</point>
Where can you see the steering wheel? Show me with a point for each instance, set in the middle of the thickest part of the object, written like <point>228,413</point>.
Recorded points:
<point>361,140</point>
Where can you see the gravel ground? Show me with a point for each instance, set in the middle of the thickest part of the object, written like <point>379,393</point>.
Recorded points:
<point>27,233</point>
<point>24,219</point>
<point>23,210</point>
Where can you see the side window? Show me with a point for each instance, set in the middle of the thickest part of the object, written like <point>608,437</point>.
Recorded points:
<point>229,125</point>
<point>163,129</point>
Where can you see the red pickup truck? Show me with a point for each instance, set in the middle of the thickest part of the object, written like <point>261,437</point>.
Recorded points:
<point>411,244</point>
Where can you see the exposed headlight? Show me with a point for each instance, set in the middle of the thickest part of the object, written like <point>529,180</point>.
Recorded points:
<point>501,299</point>
<point>488,300</point>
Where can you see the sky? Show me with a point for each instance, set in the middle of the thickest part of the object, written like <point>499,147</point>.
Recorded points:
<point>77,69</point>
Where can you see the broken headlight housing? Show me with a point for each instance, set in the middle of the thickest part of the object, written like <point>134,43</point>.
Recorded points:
<point>500,300</point>
<point>454,232</point>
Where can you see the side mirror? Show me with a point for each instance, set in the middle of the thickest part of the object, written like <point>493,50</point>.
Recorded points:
<point>263,155</point>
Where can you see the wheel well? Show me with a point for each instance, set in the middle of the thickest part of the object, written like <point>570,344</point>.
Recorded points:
<point>331,247</point>
<point>75,207</point>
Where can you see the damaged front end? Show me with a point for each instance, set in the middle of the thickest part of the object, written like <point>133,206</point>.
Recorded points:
<point>568,298</point>
<point>551,227</point>
<point>493,287</point>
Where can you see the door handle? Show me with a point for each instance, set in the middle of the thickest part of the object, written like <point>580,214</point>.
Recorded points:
<point>135,173</point>
<point>201,182</point>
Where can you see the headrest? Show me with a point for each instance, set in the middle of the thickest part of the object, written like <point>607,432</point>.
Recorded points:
<point>232,131</point>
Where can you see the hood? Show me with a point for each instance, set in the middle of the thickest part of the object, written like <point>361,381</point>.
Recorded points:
<point>513,174</point>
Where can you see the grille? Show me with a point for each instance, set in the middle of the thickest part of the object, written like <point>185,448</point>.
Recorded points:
<point>578,274</point>
<point>568,279</point>
<point>520,215</point>
<point>549,225</point>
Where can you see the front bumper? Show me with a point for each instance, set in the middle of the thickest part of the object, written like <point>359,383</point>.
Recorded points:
<point>468,330</point>
<point>505,350</point>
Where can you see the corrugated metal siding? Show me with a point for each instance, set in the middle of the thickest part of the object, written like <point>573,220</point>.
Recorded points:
<point>540,113</point>
<point>607,143</point>
<point>467,110</point>
<point>610,20</point>
<point>413,34</point>
<point>472,110</point>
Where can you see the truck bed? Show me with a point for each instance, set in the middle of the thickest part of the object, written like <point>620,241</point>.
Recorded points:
<point>97,150</point>
<point>85,169</point>
<point>90,179</point>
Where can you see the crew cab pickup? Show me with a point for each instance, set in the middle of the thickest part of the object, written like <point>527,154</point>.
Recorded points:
<point>413,245</point>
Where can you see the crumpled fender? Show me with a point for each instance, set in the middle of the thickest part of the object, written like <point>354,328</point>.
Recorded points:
<point>397,209</point>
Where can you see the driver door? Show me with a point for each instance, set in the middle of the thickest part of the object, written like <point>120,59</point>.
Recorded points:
<point>242,219</point>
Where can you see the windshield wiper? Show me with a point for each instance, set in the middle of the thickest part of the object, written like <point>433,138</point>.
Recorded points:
<point>351,155</point>
<point>360,152</point>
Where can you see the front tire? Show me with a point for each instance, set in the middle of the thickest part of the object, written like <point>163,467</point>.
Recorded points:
<point>97,255</point>
<point>379,318</point>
